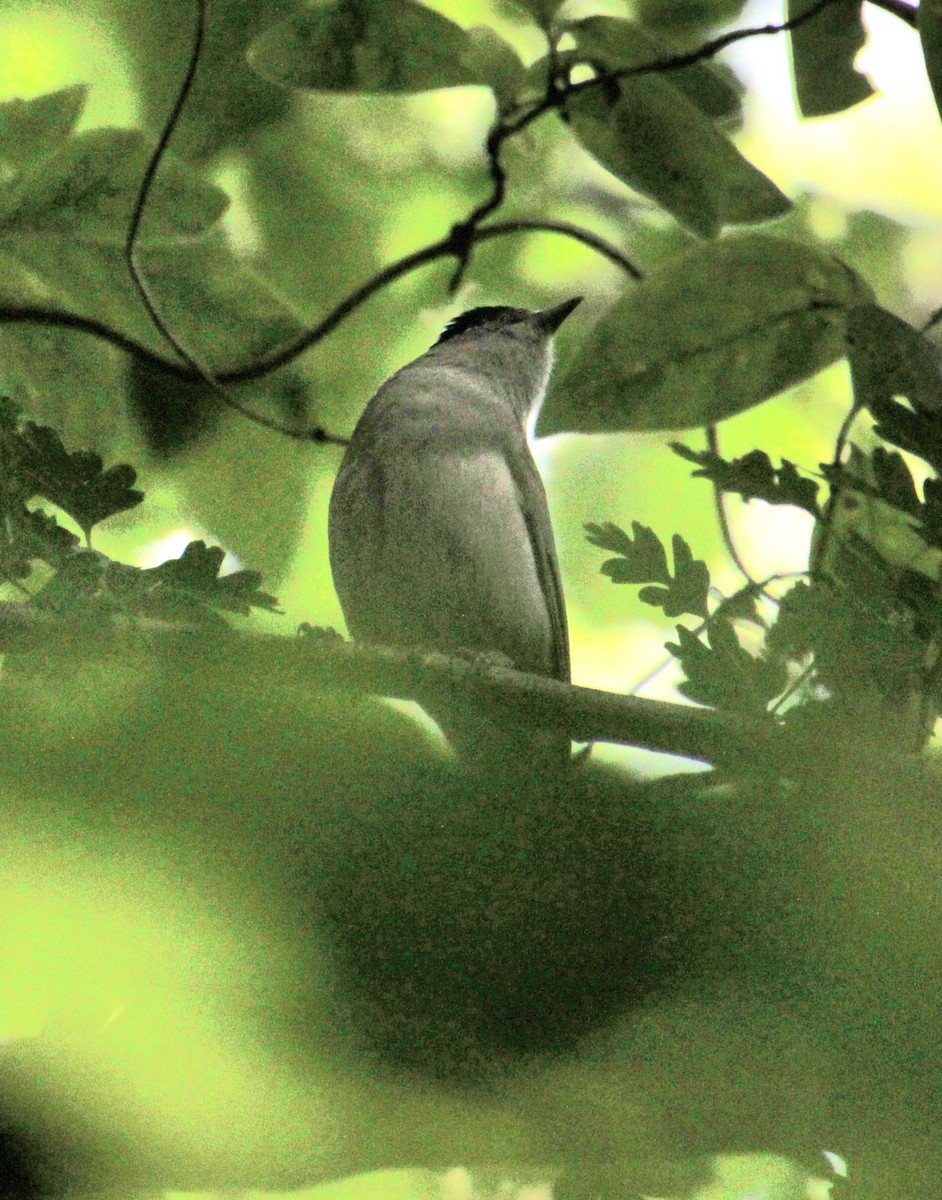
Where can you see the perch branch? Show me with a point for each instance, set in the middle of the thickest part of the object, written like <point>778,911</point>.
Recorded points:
<point>587,714</point>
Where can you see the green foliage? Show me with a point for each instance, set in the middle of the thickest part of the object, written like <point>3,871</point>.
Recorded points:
<point>754,478</point>
<point>707,336</point>
<point>491,60</point>
<point>542,11</point>
<point>930,36</point>
<point>384,46</point>
<point>194,578</point>
<point>889,358</point>
<point>616,45</point>
<point>858,640</point>
<point>823,52</point>
<point>658,139</point>
<point>34,464</point>
<point>721,673</point>
<point>34,129</point>
<point>64,216</point>
<point>436,952</point>
<point>644,560</point>
<point>88,187</point>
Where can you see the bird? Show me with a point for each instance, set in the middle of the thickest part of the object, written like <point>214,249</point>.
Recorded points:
<point>439,531</point>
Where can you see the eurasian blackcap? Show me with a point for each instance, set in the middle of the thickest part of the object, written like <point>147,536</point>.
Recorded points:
<point>439,530</point>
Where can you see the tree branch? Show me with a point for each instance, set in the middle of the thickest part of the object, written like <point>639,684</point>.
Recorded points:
<point>38,315</point>
<point>587,714</point>
<point>457,243</point>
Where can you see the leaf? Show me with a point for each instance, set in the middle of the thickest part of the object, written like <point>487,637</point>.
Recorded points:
<point>930,34</point>
<point>33,129</point>
<point>493,62</point>
<point>722,674</point>
<point>754,478</point>
<point>542,11</point>
<point>217,306</point>
<point>89,187</point>
<point>615,44</point>
<point>28,469</point>
<point>932,512</point>
<point>859,643</point>
<point>823,51</point>
<point>194,577</point>
<point>365,46</point>
<point>706,336</point>
<point>742,606</point>
<point>691,580</point>
<point>229,106</point>
<point>63,224</point>
<point>643,560</point>
<point>918,432</point>
<point>894,481</point>
<point>74,481</point>
<point>888,357</point>
<point>658,141</point>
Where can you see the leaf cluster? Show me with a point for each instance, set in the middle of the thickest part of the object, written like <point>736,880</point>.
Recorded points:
<point>46,561</point>
<point>66,203</point>
<point>858,639</point>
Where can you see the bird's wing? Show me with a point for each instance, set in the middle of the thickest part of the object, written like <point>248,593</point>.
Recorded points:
<point>453,549</point>
<point>532,499</point>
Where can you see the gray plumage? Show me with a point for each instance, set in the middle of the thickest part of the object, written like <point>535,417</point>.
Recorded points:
<point>439,529</point>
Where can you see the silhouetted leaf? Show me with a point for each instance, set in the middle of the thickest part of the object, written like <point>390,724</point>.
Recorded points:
<point>29,469</point>
<point>888,358</point>
<point>894,481</point>
<point>754,478</point>
<point>722,674</point>
<point>823,51</point>
<point>194,577</point>
<point>688,588</point>
<point>706,336</point>
<point>363,46</point>
<point>932,512</point>
<point>74,481</point>
<point>34,129</point>
<point>859,642</point>
<point>643,560</point>
<point>741,606</point>
<point>930,34</point>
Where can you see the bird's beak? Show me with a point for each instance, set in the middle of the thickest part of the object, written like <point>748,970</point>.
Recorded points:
<point>550,319</point>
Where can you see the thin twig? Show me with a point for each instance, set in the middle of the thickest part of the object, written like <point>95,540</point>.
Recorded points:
<point>826,521</point>
<point>555,98</point>
<point>37,315</point>
<point>713,444</point>
<point>710,49</point>
<point>200,371</point>
<point>458,243</point>
<point>572,231</point>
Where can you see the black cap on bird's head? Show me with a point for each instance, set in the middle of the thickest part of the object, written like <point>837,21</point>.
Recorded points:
<point>493,318</point>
